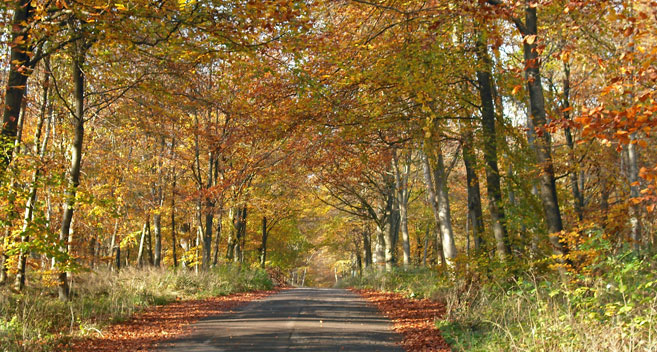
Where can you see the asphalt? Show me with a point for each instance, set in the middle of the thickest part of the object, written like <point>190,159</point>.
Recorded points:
<point>300,320</point>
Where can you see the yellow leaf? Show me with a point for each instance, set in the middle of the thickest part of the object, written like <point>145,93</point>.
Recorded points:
<point>530,39</point>
<point>120,7</point>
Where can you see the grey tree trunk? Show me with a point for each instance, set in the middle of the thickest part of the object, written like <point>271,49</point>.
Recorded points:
<point>76,161</point>
<point>547,180</point>
<point>490,148</point>
<point>475,213</point>
<point>578,197</point>
<point>263,245</point>
<point>157,225</point>
<point>402,173</point>
<point>367,247</point>
<point>444,213</point>
<point>633,178</point>
<point>174,241</point>
<point>217,238</point>
<point>113,244</point>
<point>379,247</point>
<point>142,244</point>
<point>433,200</point>
<point>39,150</point>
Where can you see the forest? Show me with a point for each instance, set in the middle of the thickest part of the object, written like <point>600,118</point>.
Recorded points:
<point>491,155</point>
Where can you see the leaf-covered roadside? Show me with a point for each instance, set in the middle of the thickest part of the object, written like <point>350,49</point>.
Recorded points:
<point>414,319</point>
<point>154,326</point>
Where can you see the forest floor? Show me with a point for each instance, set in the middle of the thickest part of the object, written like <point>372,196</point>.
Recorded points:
<point>145,330</point>
<point>414,319</point>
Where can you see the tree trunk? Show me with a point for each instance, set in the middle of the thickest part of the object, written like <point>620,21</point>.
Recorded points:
<point>633,178</point>
<point>142,244</point>
<point>547,181</point>
<point>113,244</point>
<point>20,68</point>
<point>149,240</point>
<point>578,197</point>
<point>484,85</point>
<point>174,242</point>
<point>263,246</point>
<point>367,246</point>
<point>157,224</point>
<point>475,213</point>
<point>432,197</point>
<point>449,248</point>
<point>402,193</point>
<point>379,247</point>
<point>217,238</point>
<point>207,239</point>
<point>39,150</point>
<point>76,161</point>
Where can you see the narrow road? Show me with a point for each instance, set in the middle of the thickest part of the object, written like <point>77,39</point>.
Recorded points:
<point>302,319</point>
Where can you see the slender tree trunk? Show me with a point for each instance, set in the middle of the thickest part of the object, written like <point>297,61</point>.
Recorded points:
<point>426,247</point>
<point>449,248</point>
<point>39,150</point>
<point>402,192</point>
<point>217,238</point>
<point>485,87</point>
<point>113,243</point>
<point>432,197</point>
<point>20,68</point>
<point>76,161</point>
<point>578,197</point>
<point>633,178</point>
<point>142,244</point>
<point>157,224</point>
<point>263,246</point>
<point>174,241</point>
<point>475,214</point>
<point>149,240</point>
<point>367,246</point>
<point>547,180</point>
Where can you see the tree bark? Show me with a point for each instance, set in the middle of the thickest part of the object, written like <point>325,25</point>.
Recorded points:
<point>174,241</point>
<point>449,248</point>
<point>484,85</point>
<point>263,246</point>
<point>401,184</point>
<point>76,161</point>
<point>475,213</point>
<point>433,200</point>
<point>217,238</point>
<point>20,68</point>
<point>39,150</point>
<point>367,246</point>
<point>142,244</point>
<point>547,180</point>
<point>157,225</point>
<point>578,197</point>
<point>633,178</point>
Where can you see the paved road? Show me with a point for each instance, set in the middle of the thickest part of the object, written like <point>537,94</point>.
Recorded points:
<point>300,320</point>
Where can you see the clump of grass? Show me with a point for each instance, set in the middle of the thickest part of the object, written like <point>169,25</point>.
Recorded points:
<point>37,321</point>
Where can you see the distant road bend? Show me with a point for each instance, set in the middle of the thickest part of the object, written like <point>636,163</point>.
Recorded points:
<point>302,319</point>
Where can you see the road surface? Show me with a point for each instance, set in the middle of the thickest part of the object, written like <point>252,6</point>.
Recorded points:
<point>300,320</point>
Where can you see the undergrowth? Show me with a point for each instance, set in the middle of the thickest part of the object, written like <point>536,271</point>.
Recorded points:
<point>37,321</point>
<point>609,305</point>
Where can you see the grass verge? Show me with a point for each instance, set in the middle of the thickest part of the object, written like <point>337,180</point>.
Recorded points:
<point>37,321</point>
<point>609,305</point>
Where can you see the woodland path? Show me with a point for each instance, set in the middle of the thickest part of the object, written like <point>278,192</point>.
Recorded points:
<point>302,319</point>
